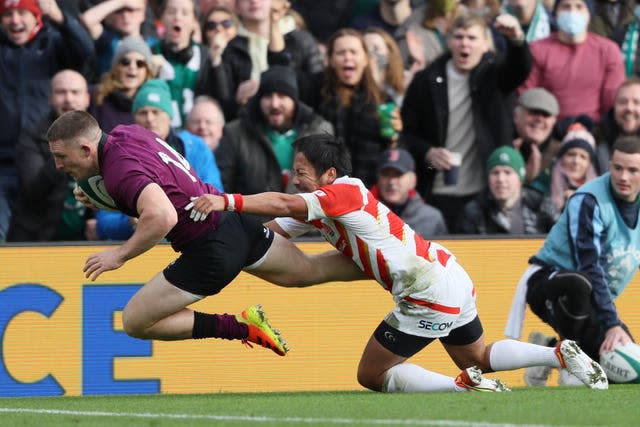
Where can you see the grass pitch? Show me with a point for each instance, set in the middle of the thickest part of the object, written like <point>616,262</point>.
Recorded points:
<point>530,407</point>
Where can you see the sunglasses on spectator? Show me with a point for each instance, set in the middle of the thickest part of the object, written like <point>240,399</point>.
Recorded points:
<point>125,62</point>
<point>212,25</point>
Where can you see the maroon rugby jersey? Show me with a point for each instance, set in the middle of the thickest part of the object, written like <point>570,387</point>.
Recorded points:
<point>133,157</point>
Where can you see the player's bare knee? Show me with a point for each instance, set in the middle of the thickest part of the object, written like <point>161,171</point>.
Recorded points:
<point>369,382</point>
<point>132,326</point>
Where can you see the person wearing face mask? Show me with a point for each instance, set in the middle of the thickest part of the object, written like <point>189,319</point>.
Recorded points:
<point>623,119</point>
<point>581,69</point>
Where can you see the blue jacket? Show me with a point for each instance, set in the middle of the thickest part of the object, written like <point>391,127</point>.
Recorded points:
<point>26,71</point>
<point>116,225</point>
<point>598,235</point>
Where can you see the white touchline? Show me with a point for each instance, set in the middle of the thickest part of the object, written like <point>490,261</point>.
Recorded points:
<point>389,422</point>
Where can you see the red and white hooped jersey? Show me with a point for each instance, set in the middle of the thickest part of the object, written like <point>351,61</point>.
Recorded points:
<point>364,229</point>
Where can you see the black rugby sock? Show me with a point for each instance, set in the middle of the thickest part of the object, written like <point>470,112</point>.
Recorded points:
<point>225,326</point>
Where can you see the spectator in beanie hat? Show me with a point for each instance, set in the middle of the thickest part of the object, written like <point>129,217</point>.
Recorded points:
<point>574,166</point>
<point>21,34</point>
<point>152,109</point>
<point>256,152</point>
<point>507,207</point>
<point>112,98</point>
<point>33,50</point>
<point>396,188</point>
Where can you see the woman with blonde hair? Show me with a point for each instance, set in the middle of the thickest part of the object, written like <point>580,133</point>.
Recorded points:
<point>111,99</point>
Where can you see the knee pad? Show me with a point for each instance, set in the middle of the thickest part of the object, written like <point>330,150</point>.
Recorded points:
<point>571,291</point>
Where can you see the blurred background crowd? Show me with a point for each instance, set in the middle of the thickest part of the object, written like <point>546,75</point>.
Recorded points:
<point>465,117</point>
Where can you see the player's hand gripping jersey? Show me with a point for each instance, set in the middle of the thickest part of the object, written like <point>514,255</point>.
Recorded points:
<point>380,243</point>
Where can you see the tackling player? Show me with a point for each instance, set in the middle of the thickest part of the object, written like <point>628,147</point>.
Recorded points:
<point>148,179</point>
<point>434,296</point>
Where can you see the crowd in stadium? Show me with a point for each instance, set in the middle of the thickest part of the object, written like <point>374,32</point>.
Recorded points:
<point>469,117</point>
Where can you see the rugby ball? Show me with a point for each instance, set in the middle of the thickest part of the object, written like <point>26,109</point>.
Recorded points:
<point>95,190</point>
<point>622,365</point>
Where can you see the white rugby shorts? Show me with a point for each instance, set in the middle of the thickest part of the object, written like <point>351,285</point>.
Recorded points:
<point>436,311</point>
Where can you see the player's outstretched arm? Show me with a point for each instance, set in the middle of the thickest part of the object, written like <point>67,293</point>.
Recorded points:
<point>270,203</point>
<point>157,216</point>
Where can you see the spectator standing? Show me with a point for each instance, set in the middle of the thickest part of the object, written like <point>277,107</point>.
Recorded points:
<point>626,37</point>
<point>396,189</point>
<point>182,56</point>
<point>206,120</point>
<point>392,16</point>
<point>267,36</point>
<point>349,101</point>
<point>536,21</point>
<point>433,27</point>
<point>324,18</point>
<point>386,63</point>
<point>32,51</point>
<point>460,104</point>
<point>108,23</point>
<point>46,209</point>
<point>507,206</point>
<point>219,26</point>
<point>611,15</point>
<point>112,99</point>
<point>561,59</point>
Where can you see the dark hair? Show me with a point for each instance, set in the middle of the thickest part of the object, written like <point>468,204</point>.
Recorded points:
<point>324,151</point>
<point>74,125</point>
<point>627,144</point>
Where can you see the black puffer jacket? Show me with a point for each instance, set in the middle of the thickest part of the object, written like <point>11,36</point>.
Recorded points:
<point>358,126</point>
<point>26,71</point>
<point>483,216</point>
<point>245,156</point>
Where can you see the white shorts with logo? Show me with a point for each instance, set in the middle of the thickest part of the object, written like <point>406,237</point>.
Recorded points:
<point>436,311</point>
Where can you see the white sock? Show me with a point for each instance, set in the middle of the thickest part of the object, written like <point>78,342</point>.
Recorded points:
<point>408,378</point>
<point>511,354</point>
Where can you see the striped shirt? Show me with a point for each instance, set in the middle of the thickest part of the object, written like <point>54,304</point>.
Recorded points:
<point>379,242</point>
